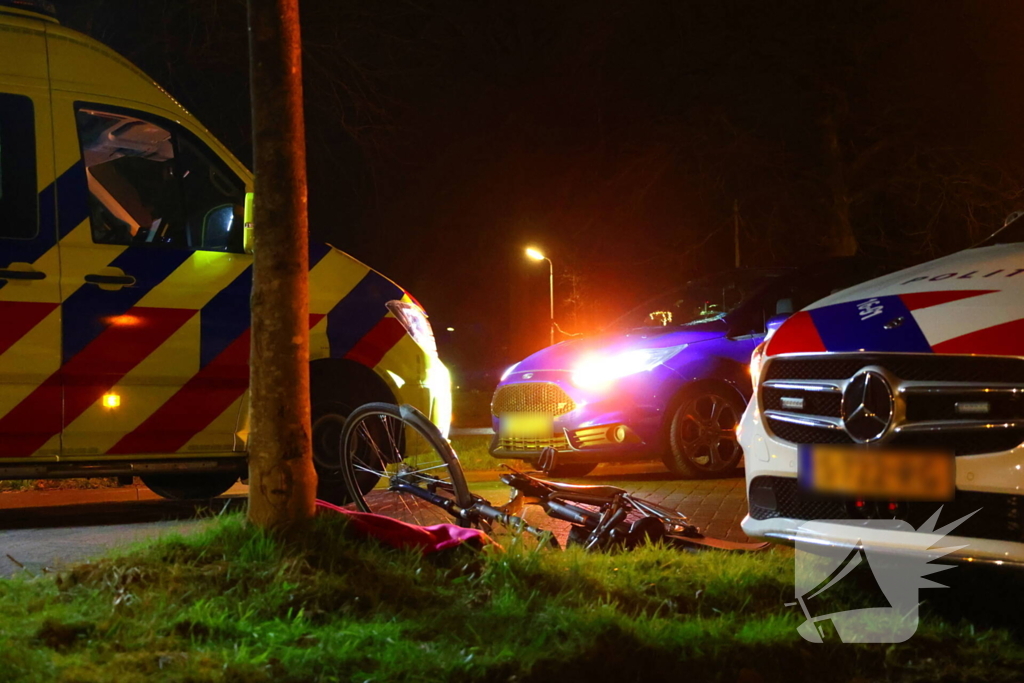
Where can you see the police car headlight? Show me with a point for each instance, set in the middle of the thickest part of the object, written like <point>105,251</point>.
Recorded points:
<point>414,320</point>
<point>757,358</point>
<point>597,372</point>
<point>756,362</point>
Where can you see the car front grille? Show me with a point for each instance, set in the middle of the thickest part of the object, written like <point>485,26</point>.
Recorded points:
<point>911,367</point>
<point>532,397</point>
<point>801,400</point>
<point>997,516</point>
<point>815,403</point>
<point>514,444</point>
<point>797,433</point>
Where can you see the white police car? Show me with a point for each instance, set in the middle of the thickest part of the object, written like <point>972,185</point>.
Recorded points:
<point>893,399</point>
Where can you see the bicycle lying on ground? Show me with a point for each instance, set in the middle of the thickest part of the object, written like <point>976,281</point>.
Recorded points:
<point>397,463</point>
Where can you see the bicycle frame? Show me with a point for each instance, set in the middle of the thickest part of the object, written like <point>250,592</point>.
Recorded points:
<point>599,516</point>
<point>479,509</point>
<point>603,528</point>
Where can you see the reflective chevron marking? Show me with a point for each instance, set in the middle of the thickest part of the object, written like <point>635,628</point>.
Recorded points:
<point>1006,339</point>
<point>28,363</point>
<point>198,280</point>
<point>374,346</point>
<point>89,311</point>
<point>866,324</point>
<point>72,198</point>
<point>30,251</point>
<point>224,318</point>
<point>202,400</point>
<point>104,334</point>
<point>62,203</point>
<point>917,300</point>
<point>797,335</point>
<point>90,374</point>
<point>359,312</point>
<point>317,251</point>
<point>18,319</point>
<point>33,421</point>
<point>143,389</point>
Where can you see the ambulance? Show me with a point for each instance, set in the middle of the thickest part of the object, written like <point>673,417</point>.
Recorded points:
<point>891,414</point>
<point>125,274</point>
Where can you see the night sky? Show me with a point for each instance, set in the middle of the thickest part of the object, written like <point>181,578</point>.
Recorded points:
<point>622,138</point>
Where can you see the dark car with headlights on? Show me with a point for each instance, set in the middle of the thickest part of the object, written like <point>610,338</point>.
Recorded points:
<point>668,380</point>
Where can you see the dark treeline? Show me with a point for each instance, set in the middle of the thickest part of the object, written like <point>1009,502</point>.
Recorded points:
<point>624,138</point>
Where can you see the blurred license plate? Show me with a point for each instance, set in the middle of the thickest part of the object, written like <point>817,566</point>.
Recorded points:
<point>526,426</point>
<point>881,474</point>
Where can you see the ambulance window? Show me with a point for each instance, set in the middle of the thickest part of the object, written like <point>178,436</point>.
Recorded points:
<point>214,197</point>
<point>134,190</point>
<point>18,192</point>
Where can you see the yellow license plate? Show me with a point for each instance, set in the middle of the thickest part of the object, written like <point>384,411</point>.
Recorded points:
<point>878,474</point>
<point>526,426</point>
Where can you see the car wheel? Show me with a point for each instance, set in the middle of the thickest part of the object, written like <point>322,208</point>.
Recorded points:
<point>702,440</point>
<point>191,485</point>
<point>335,391</point>
<point>571,470</point>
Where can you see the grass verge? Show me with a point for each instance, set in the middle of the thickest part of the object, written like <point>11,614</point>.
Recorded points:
<point>474,456</point>
<point>471,408</point>
<point>231,604</point>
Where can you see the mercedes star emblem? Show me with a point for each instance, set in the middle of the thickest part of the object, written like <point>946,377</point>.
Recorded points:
<point>867,406</point>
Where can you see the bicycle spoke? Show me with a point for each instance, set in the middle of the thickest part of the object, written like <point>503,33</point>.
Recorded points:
<point>367,469</point>
<point>389,459</point>
<point>372,443</point>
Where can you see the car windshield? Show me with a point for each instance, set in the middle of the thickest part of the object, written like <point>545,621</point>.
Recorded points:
<point>706,299</point>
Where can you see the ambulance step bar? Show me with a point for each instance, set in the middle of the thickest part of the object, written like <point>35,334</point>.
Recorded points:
<point>74,469</point>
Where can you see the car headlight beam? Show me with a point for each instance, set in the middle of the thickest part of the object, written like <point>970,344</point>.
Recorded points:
<point>599,371</point>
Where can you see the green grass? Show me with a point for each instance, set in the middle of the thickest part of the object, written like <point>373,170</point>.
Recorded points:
<point>471,408</point>
<point>231,604</point>
<point>474,456</point>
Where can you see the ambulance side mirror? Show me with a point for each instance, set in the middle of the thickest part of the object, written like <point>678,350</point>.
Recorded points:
<point>247,239</point>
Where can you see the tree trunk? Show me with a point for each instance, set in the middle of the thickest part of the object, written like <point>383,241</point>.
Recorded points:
<point>282,480</point>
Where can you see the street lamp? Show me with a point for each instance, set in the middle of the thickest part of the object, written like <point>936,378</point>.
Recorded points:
<point>536,255</point>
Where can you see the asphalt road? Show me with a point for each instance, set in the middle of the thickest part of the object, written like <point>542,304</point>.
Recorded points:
<point>50,530</point>
<point>64,530</point>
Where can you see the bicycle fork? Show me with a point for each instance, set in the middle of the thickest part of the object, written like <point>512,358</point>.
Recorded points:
<point>479,509</point>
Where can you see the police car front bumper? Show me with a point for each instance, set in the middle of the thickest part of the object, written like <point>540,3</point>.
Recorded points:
<point>989,488</point>
<point>849,534</point>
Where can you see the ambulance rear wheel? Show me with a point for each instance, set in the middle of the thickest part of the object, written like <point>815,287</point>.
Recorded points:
<point>336,389</point>
<point>190,486</point>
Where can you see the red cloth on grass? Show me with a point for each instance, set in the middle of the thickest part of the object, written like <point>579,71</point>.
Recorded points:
<point>398,534</point>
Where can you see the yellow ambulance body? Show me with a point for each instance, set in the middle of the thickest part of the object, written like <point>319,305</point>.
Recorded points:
<point>124,285</point>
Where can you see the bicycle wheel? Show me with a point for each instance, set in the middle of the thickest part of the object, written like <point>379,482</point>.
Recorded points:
<point>396,463</point>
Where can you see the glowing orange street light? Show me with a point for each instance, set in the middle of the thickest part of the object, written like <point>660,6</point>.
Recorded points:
<point>536,255</point>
